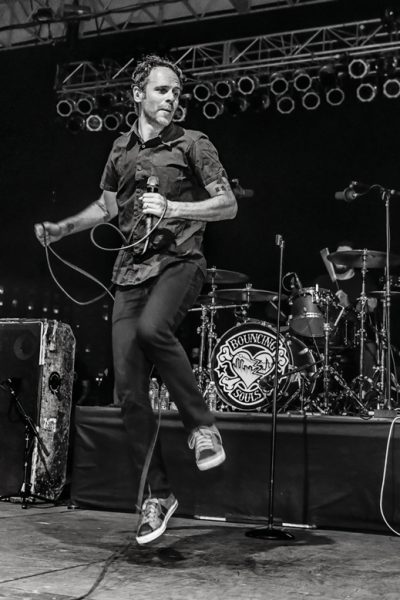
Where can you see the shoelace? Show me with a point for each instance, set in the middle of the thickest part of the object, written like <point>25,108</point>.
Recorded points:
<point>150,510</point>
<point>203,439</point>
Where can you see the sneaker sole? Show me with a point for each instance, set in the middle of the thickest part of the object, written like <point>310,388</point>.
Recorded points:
<point>212,462</point>
<point>149,537</point>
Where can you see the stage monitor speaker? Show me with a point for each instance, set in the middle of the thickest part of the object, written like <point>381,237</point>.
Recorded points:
<point>37,373</point>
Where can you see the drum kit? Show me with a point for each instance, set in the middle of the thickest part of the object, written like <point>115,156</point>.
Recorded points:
<point>238,367</point>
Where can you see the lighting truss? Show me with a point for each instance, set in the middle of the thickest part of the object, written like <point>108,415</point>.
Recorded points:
<point>287,68</point>
<point>287,49</point>
<point>34,22</point>
<point>284,50</point>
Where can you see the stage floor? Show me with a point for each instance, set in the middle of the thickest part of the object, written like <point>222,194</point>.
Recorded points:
<point>53,553</point>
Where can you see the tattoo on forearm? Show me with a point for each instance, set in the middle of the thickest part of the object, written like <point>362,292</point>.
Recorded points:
<point>222,185</point>
<point>69,227</point>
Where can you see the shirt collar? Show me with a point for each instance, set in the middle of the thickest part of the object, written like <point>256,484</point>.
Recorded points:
<point>169,134</point>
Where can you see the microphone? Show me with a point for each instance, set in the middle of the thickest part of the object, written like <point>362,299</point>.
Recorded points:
<point>239,191</point>
<point>348,195</point>
<point>151,186</point>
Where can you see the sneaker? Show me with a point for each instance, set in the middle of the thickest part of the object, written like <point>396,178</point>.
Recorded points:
<point>155,515</point>
<point>207,443</point>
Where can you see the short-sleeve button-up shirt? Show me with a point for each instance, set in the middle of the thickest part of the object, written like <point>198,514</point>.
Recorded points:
<point>184,161</point>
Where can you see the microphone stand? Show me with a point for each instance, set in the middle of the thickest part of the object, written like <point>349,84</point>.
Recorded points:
<point>387,410</point>
<point>31,433</point>
<point>386,194</point>
<point>270,532</point>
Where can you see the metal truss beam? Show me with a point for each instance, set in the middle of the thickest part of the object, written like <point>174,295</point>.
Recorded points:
<point>255,55</point>
<point>35,22</point>
<point>287,49</point>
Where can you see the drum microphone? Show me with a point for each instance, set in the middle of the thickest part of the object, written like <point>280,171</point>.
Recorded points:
<point>151,186</point>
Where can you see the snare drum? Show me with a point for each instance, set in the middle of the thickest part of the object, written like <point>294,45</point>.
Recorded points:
<point>246,353</point>
<point>307,315</point>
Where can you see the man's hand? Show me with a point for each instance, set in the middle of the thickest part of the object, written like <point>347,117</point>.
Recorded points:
<point>343,298</point>
<point>47,232</point>
<point>154,203</point>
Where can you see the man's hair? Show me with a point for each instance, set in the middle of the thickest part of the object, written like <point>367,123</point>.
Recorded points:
<point>345,242</point>
<point>143,68</point>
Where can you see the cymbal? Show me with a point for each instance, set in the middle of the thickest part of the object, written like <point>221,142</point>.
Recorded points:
<point>223,276</point>
<point>374,259</point>
<point>206,300</point>
<point>247,295</point>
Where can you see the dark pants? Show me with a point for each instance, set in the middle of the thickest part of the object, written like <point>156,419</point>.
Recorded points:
<point>145,319</point>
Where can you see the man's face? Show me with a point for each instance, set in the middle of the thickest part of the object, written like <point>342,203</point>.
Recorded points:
<point>342,268</point>
<point>160,97</point>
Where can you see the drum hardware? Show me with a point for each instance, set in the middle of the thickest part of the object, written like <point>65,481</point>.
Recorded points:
<point>327,371</point>
<point>307,317</point>
<point>208,306</point>
<point>371,259</point>
<point>223,277</point>
<point>358,259</point>
<point>248,295</point>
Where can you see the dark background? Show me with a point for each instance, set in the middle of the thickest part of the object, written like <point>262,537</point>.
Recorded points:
<point>294,163</point>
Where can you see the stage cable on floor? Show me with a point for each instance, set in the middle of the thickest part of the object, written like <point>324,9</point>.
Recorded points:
<point>109,561</point>
<point>393,423</point>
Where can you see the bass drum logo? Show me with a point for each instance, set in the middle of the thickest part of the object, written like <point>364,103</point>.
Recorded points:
<point>241,357</point>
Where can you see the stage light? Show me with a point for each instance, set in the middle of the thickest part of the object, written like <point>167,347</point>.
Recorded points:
<point>358,68</point>
<point>75,123</point>
<point>391,88</point>
<point>335,96</point>
<point>285,104</point>
<point>279,85</point>
<point>202,91</point>
<point>180,114</point>
<point>236,105</point>
<point>302,81</point>
<point>106,100</point>
<point>112,121</point>
<point>130,118</point>
<point>327,75</point>
<point>259,101</point>
<point>212,109</point>
<point>94,123</point>
<point>247,84</point>
<point>224,89</point>
<point>43,14</point>
<point>366,92</point>
<point>311,100</point>
<point>65,107</point>
<point>391,18</point>
<point>85,105</point>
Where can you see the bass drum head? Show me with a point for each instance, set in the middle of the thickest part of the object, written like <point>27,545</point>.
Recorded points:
<point>241,357</point>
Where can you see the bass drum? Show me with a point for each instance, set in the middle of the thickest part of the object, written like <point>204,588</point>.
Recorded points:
<point>243,367</point>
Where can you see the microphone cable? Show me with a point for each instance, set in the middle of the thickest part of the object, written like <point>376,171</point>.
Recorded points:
<point>395,420</point>
<point>107,290</point>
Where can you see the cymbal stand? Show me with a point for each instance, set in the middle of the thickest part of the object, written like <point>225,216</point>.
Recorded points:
<point>363,302</point>
<point>211,333</point>
<point>202,330</point>
<point>327,371</point>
